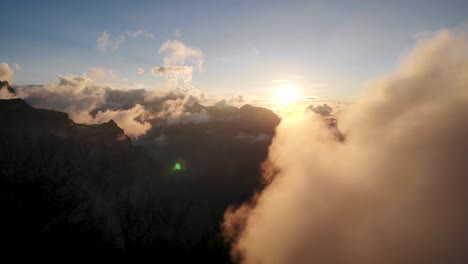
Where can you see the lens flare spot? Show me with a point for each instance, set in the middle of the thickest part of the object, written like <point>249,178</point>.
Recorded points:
<point>177,167</point>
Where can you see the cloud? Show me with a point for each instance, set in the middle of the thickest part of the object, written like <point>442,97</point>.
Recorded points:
<point>6,73</point>
<point>323,110</point>
<point>183,73</point>
<point>134,110</point>
<point>17,67</point>
<point>89,103</point>
<point>106,43</point>
<point>6,91</point>
<point>127,120</point>
<point>99,74</point>
<point>178,54</point>
<point>238,100</point>
<point>393,192</point>
<point>179,62</point>
<point>141,71</point>
<point>139,33</point>
<point>171,69</point>
<point>73,94</point>
<point>171,107</point>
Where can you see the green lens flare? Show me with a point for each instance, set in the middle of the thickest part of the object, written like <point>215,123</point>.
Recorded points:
<point>177,166</point>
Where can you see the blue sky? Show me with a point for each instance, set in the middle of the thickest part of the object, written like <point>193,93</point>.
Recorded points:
<point>324,48</point>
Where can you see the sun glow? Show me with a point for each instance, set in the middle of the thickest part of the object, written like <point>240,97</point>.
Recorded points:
<point>287,95</point>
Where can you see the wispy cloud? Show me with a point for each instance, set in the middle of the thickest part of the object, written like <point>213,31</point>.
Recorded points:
<point>105,42</point>
<point>139,33</point>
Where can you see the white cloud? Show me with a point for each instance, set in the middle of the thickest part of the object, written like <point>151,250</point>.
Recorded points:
<point>6,73</point>
<point>141,71</point>
<point>178,54</point>
<point>179,61</point>
<point>394,191</point>
<point>126,119</point>
<point>183,73</point>
<point>91,102</point>
<point>100,74</point>
<point>139,33</point>
<point>106,43</point>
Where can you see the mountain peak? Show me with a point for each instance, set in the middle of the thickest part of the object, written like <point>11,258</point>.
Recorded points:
<point>13,104</point>
<point>4,85</point>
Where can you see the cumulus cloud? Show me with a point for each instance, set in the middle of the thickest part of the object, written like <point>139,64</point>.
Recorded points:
<point>73,95</point>
<point>179,61</point>
<point>179,53</point>
<point>6,73</point>
<point>105,42</point>
<point>174,72</point>
<point>141,71</point>
<point>393,192</point>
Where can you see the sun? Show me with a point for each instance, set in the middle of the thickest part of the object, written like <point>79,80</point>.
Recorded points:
<point>287,95</point>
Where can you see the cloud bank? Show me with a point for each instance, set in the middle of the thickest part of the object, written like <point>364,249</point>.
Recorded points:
<point>88,101</point>
<point>394,191</point>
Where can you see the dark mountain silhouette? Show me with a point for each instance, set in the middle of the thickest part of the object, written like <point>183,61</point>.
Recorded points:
<point>83,188</point>
<point>221,158</point>
<point>4,85</point>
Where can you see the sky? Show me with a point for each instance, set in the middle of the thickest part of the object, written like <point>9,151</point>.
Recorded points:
<point>328,49</point>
